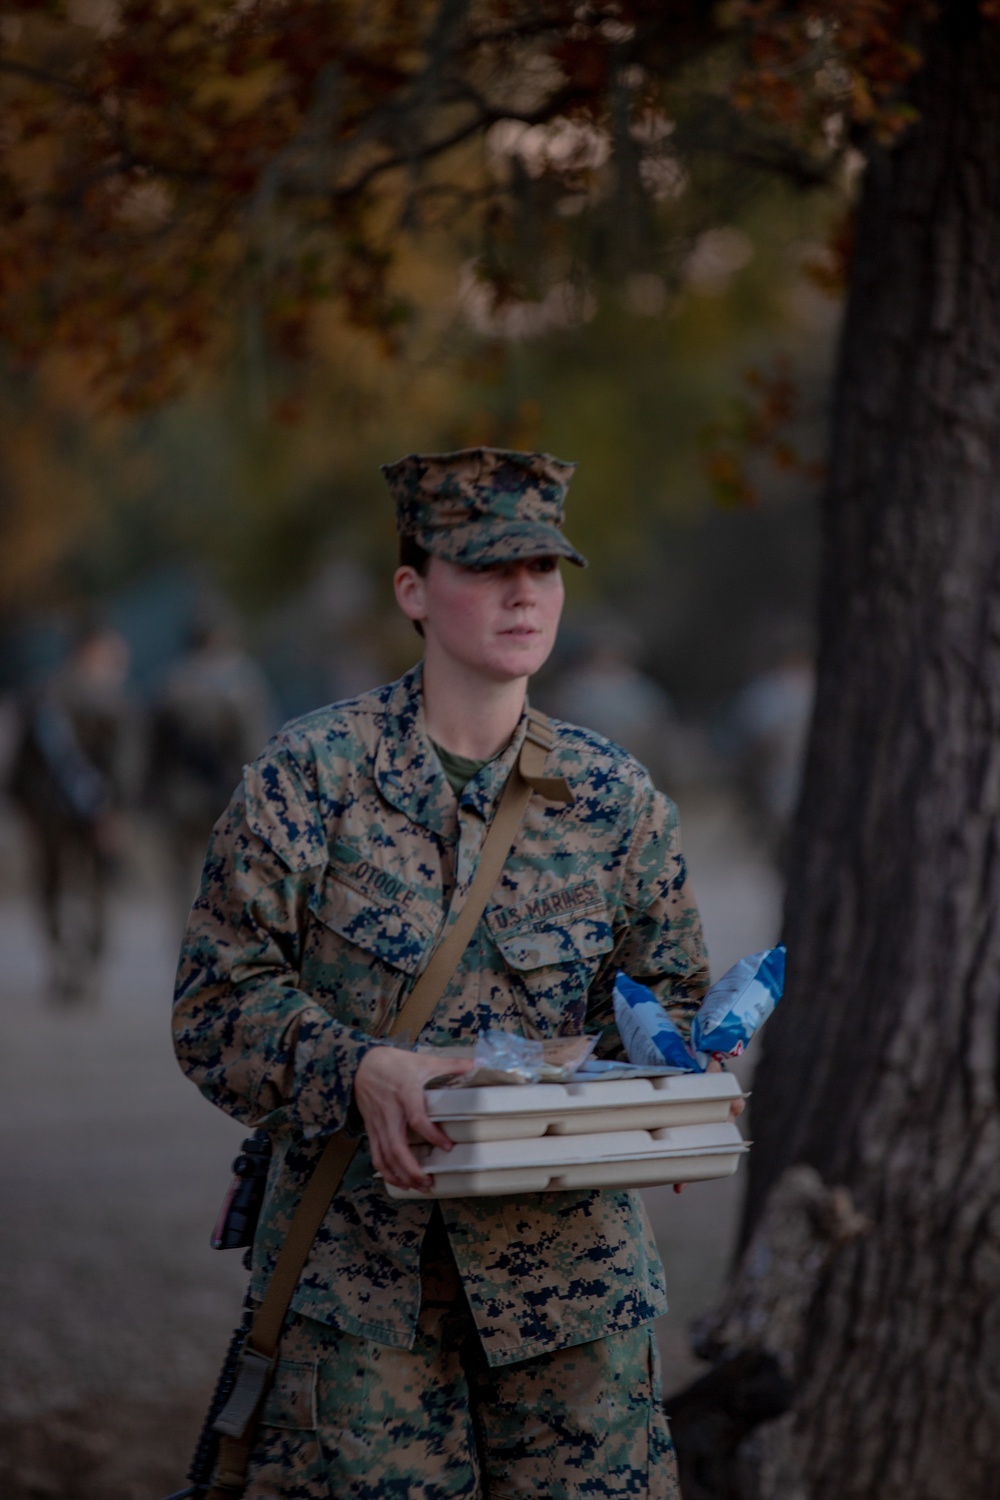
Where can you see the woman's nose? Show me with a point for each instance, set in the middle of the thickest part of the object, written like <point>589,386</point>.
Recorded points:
<point>521,586</point>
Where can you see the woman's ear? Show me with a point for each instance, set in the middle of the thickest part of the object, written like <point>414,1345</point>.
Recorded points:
<point>410,593</point>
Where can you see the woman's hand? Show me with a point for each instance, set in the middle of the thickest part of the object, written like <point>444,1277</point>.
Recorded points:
<point>389,1092</point>
<point>735,1109</point>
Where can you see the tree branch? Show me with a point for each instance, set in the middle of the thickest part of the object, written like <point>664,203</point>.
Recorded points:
<point>488,115</point>
<point>40,76</point>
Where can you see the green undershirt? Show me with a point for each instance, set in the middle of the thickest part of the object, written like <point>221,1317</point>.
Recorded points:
<point>458,769</point>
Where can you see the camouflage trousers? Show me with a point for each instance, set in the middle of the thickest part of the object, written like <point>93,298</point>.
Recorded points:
<point>347,1417</point>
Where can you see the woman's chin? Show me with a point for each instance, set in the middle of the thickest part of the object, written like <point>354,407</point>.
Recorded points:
<point>503,660</point>
<point>519,662</point>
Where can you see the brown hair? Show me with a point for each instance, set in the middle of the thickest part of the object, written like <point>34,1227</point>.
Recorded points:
<point>412,555</point>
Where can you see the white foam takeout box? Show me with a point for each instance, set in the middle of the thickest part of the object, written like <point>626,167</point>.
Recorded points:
<point>537,1138</point>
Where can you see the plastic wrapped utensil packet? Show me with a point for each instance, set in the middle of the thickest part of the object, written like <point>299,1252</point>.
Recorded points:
<point>738,1004</point>
<point>503,1057</point>
<point>507,1058</point>
<point>563,1056</point>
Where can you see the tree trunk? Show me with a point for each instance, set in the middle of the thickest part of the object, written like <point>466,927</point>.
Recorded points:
<point>881,1068</point>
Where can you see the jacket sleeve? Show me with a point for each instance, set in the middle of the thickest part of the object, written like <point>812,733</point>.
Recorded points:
<point>257,1045</point>
<point>661,942</point>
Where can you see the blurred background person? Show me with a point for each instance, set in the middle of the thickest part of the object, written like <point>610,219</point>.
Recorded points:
<point>213,714</point>
<point>73,772</point>
<point>330,639</point>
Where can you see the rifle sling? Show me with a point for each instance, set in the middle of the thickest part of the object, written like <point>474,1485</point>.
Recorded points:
<point>237,1420</point>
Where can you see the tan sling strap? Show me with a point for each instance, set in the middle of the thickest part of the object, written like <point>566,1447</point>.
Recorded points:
<point>238,1419</point>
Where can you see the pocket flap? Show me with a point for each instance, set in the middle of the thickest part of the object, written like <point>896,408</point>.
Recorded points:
<point>571,941</point>
<point>291,1400</point>
<point>380,928</point>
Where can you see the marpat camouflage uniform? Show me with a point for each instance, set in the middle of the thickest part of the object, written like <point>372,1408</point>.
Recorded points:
<point>327,885</point>
<point>341,862</point>
<point>483,504</point>
<point>354,1419</point>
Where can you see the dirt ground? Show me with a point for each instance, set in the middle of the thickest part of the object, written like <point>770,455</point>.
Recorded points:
<point>114,1308</point>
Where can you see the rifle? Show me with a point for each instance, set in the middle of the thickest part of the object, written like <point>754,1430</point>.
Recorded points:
<point>234,1230</point>
<point>237,1221</point>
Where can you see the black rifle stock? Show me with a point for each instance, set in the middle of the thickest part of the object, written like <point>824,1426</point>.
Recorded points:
<point>207,1447</point>
<point>234,1230</point>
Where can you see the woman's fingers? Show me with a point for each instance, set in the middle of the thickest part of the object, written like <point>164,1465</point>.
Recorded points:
<point>392,1157</point>
<point>398,1163</point>
<point>421,1124</point>
<point>738,1105</point>
<point>386,1129</point>
<point>418,1120</point>
<point>389,1088</point>
<point>404,1171</point>
<point>408,1171</point>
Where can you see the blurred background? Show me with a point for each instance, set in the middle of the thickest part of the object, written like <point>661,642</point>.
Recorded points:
<point>177,582</point>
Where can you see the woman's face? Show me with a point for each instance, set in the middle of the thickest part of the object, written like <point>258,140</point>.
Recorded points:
<point>499,621</point>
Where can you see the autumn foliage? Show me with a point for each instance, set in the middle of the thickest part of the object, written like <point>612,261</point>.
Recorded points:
<point>167,167</point>
<point>859,54</point>
<point>174,171</point>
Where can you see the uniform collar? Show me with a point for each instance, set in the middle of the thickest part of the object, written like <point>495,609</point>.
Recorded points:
<point>408,773</point>
<point>483,792</point>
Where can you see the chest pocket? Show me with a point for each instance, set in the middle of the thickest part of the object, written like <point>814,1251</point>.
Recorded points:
<point>552,964</point>
<point>359,953</point>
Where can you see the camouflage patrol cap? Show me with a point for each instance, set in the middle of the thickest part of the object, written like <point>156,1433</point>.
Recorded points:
<point>483,505</point>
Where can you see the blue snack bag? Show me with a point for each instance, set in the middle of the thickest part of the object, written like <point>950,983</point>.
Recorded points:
<point>738,1004</point>
<point>651,1039</point>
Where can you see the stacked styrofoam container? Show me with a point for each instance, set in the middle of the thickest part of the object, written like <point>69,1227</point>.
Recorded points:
<point>546,1137</point>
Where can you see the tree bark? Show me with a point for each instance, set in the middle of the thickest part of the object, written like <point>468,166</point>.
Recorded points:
<point>881,1068</point>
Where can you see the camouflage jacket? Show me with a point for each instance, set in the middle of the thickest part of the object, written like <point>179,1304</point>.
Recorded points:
<point>328,883</point>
